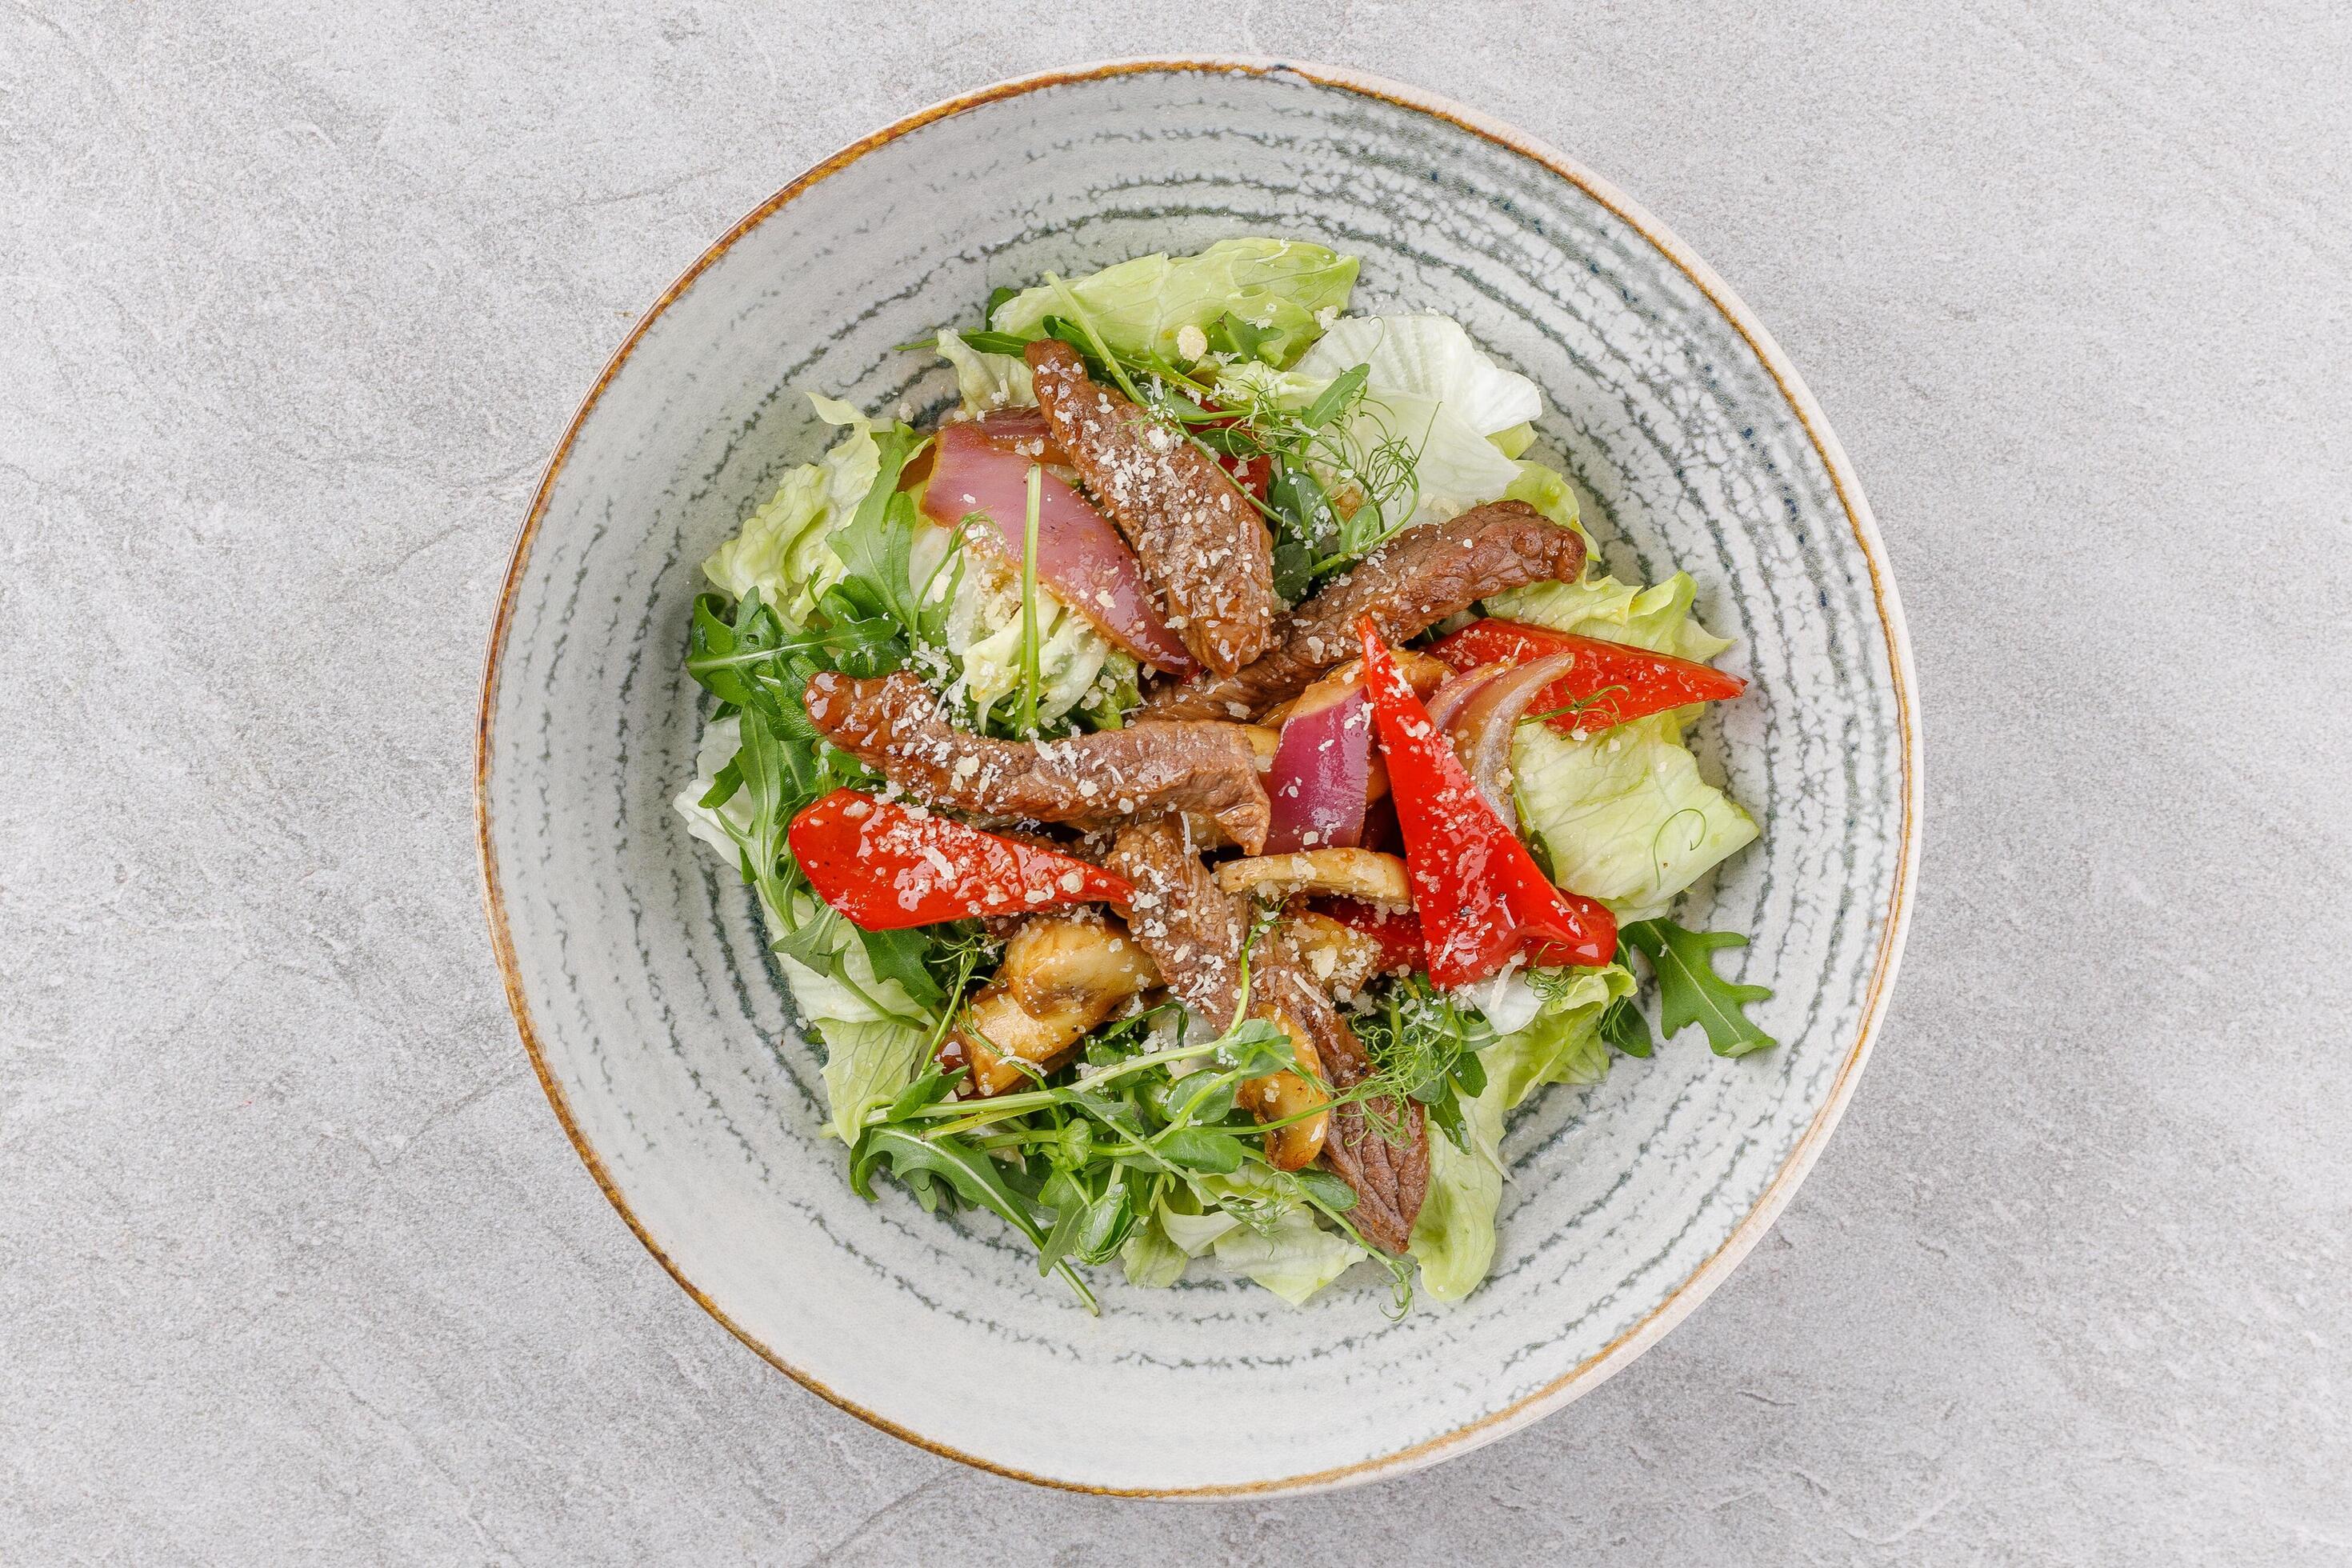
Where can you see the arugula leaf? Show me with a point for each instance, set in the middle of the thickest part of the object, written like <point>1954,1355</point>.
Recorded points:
<point>875,543</point>
<point>1691,992</point>
<point>899,955</point>
<point>994,344</point>
<point>1625,1027</point>
<point>1200,1149</point>
<point>1344,386</point>
<point>973,1176</point>
<point>1229,334</point>
<point>932,1086</point>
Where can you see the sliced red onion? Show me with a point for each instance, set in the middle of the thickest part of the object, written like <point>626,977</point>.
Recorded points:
<point>1318,783</point>
<point>1080,556</point>
<point>1483,719</point>
<point>1455,692</point>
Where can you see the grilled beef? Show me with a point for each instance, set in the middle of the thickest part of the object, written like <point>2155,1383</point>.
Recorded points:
<point>894,724</point>
<point>1417,579</point>
<point>1201,541</point>
<point>1193,929</point>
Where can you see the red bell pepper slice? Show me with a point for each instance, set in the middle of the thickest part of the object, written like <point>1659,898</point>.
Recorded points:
<point>1398,932</point>
<point>1612,683</point>
<point>888,867</point>
<point>1482,900</point>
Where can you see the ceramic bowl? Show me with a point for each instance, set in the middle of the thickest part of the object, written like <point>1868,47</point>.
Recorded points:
<point>634,962</point>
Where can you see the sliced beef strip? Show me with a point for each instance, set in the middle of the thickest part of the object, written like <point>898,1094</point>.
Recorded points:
<point>1420,578</point>
<point>894,724</point>
<point>1390,1179</point>
<point>1194,930</point>
<point>1202,542</point>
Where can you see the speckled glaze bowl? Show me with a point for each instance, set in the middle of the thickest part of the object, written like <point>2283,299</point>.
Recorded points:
<point>634,963</point>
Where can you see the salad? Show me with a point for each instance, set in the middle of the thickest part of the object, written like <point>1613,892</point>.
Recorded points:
<point>1198,789</point>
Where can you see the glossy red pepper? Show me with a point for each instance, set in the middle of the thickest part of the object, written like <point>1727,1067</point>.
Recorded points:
<point>1251,474</point>
<point>888,867</point>
<point>1612,683</point>
<point>1482,900</point>
<point>1397,932</point>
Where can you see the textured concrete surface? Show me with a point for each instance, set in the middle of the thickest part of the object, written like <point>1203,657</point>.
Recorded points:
<point>294,1263</point>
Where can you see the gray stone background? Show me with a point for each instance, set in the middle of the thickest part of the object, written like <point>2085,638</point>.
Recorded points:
<point>295,1265</point>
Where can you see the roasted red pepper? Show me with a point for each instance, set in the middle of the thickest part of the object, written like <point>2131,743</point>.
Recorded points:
<point>888,867</point>
<point>1398,932</point>
<point>1482,900</point>
<point>1612,683</point>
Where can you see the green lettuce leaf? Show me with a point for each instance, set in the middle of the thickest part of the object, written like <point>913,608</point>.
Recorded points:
<point>1149,1257</point>
<point>867,1066</point>
<point>1077,667</point>
<point>987,381</point>
<point>1431,358</point>
<point>1455,466</point>
<point>1563,1043</point>
<point>1280,286</point>
<point>871,1052</point>
<point>1657,617</point>
<point>1514,441</point>
<point>1294,1257</point>
<point>782,548</point>
<point>1624,815</point>
<point>1453,1235</point>
<point>1178,1228</point>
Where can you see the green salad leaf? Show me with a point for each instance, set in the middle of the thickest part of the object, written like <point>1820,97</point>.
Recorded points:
<point>986,381</point>
<point>973,1176</point>
<point>1691,992</point>
<point>784,550</point>
<point>1278,286</point>
<point>1453,1236</point>
<point>1624,815</point>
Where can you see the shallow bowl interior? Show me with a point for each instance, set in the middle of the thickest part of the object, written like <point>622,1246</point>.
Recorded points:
<point>634,962</point>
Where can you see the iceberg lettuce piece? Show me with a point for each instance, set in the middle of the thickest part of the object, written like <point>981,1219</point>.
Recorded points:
<point>1432,359</point>
<point>986,381</point>
<point>721,738</point>
<point>782,548</point>
<point>1285,287</point>
<point>1149,1257</point>
<point>1562,1044</point>
<point>1454,468</point>
<point>1077,667</point>
<point>870,1054</point>
<point>1657,617</point>
<point>867,1066</point>
<point>1429,384</point>
<point>1196,1233</point>
<point>1294,1257</point>
<point>1453,1235</point>
<point>1506,999</point>
<point>1515,441</point>
<point>1624,815</point>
